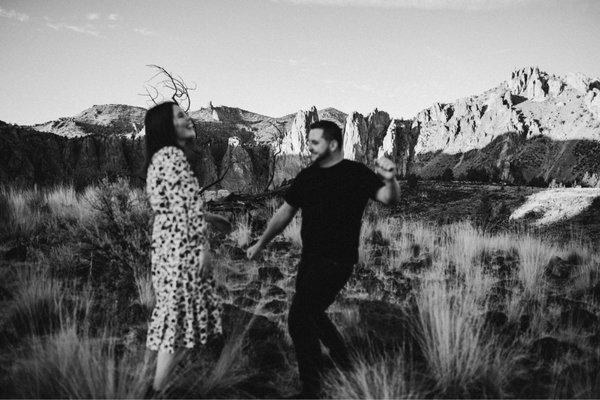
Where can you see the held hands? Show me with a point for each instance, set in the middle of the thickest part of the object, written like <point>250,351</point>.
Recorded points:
<point>253,251</point>
<point>385,168</point>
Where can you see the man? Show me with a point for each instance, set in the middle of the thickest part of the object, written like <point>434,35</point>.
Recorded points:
<point>332,193</point>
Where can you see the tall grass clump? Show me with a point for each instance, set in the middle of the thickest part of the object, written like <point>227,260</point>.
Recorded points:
<point>242,233</point>
<point>24,212</point>
<point>384,377</point>
<point>37,304</point>
<point>293,230</point>
<point>461,358</point>
<point>223,378</point>
<point>534,255</point>
<point>65,202</point>
<point>73,364</point>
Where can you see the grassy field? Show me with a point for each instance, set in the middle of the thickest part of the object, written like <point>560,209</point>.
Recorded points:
<point>449,299</point>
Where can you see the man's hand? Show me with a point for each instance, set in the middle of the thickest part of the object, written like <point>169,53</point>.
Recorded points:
<point>385,168</point>
<point>253,251</point>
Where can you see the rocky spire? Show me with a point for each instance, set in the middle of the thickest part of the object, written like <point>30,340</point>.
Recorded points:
<point>363,136</point>
<point>294,140</point>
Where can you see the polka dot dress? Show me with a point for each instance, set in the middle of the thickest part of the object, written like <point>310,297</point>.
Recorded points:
<point>187,310</point>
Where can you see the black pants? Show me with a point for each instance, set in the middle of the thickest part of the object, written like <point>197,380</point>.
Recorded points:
<point>318,282</point>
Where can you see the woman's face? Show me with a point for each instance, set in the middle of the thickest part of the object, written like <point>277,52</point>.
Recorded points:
<point>184,127</point>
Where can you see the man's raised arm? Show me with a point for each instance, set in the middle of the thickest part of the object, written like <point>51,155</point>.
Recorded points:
<point>276,225</point>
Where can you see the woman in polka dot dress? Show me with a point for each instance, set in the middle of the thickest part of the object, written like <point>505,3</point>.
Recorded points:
<point>187,310</point>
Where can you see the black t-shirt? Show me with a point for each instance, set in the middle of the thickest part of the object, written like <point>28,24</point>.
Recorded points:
<point>332,201</point>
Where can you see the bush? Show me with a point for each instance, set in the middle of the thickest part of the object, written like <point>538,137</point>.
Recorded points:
<point>538,181</point>
<point>116,244</point>
<point>412,180</point>
<point>447,175</point>
<point>476,175</point>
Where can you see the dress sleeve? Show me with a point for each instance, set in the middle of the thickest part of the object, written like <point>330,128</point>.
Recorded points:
<point>170,177</point>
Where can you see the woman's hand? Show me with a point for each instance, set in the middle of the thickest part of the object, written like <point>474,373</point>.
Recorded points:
<point>218,222</point>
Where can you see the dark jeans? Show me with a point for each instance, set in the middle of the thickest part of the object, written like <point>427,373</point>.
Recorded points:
<point>318,282</point>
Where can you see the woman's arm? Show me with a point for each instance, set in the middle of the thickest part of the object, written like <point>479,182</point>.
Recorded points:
<point>220,223</point>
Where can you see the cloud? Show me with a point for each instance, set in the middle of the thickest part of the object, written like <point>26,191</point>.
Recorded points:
<point>113,17</point>
<point>145,32</point>
<point>12,14</point>
<point>87,29</point>
<point>461,5</point>
<point>92,16</point>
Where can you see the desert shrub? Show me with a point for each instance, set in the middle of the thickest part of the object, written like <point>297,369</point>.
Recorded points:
<point>590,180</point>
<point>412,180</point>
<point>484,212</point>
<point>5,212</point>
<point>447,175</point>
<point>538,181</point>
<point>475,174</point>
<point>116,245</point>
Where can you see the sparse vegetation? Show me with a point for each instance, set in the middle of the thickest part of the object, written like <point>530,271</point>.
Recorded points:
<point>459,309</point>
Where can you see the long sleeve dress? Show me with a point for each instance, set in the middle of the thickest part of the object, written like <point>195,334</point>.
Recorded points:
<point>187,310</point>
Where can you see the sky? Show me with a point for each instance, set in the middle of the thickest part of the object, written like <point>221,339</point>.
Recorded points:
<point>275,57</point>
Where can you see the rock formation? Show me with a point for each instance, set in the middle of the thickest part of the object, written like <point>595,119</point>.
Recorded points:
<point>364,136</point>
<point>499,129</point>
<point>532,125</point>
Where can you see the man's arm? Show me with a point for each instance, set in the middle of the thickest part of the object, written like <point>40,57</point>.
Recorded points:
<point>276,225</point>
<point>390,193</point>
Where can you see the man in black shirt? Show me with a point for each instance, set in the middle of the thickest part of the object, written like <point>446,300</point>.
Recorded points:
<point>332,193</point>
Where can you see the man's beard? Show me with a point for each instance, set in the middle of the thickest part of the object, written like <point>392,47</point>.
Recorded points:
<point>322,157</point>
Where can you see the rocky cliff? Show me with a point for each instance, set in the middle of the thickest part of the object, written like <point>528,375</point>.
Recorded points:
<point>532,126</point>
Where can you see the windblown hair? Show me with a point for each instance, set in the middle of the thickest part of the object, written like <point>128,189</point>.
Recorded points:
<point>331,131</point>
<point>160,131</point>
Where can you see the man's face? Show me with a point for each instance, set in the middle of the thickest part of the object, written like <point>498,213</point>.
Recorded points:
<point>318,145</point>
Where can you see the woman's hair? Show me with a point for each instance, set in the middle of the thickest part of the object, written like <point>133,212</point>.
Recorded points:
<point>160,131</point>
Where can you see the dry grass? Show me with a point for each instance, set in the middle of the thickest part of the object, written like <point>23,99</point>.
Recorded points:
<point>292,231</point>
<point>72,364</point>
<point>242,232</point>
<point>38,302</point>
<point>385,377</point>
<point>62,358</point>
<point>25,211</point>
<point>451,334</point>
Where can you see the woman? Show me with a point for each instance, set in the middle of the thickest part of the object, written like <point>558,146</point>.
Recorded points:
<point>187,310</point>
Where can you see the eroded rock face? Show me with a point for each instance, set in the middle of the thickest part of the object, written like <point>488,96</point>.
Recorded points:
<point>356,128</point>
<point>239,167</point>
<point>364,136</point>
<point>532,125</point>
<point>525,127</point>
<point>294,141</point>
<point>292,155</point>
<point>399,143</point>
